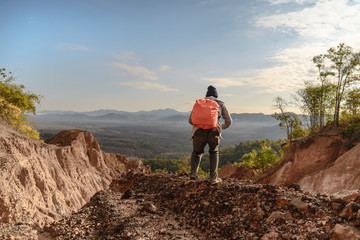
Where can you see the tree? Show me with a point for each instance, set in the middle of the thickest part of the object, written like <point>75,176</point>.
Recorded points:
<point>15,104</point>
<point>281,104</point>
<point>324,87</point>
<point>262,158</point>
<point>233,154</point>
<point>309,101</point>
<point>353,101</point>
<point>316,102</point>
<point>288,121</point>
<point>343,63</point>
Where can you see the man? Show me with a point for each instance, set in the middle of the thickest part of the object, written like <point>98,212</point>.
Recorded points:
<point>201,137</point>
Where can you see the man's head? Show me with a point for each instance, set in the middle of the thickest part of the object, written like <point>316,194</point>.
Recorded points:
<point>211,92</point>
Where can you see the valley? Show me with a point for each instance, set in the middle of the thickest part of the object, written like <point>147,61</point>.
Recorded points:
<point>161,133</point>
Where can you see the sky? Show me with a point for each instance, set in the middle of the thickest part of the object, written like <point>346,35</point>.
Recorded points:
<point>132,55</point>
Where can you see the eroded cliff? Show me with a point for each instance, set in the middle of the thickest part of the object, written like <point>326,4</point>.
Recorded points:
<point>320,163</point>
<point>43,182</point>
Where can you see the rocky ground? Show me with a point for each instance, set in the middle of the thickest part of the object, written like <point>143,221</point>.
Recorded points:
<point>110,216</point>
<point>161,206</point>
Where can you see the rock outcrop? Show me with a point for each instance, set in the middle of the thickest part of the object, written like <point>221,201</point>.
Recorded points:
<point>304,158</point>
<point>43,182</point>
<point>317,164</point>
<point>322,163</point>
<point>343,174</point>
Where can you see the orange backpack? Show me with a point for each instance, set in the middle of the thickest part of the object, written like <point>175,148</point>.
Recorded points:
<point>205,113</point>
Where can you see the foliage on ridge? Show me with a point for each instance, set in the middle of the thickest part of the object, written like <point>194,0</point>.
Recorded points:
<point>333,96</point>
<point>257,154</point>
<point>15,104</point>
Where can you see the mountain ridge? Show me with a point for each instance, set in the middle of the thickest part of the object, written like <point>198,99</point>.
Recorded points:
<point>158,114</point>
<point>106,111</point>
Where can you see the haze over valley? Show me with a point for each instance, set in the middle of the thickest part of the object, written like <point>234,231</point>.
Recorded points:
<point>159,133</point>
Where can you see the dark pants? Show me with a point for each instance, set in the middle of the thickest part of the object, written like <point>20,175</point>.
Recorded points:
<point>200,139</point>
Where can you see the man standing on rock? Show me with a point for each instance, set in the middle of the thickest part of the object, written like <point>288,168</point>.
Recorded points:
<point>207,129</point>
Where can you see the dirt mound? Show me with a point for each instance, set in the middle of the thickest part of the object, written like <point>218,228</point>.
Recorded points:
<point>343,174</point>
<point>317,164</point>
<point>161,206</point>
<point>304,158</point>
<point>40,183</point>
<point>241,172</point>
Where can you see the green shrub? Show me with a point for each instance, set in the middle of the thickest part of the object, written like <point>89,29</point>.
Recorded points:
<point>262,158</point>
<point>15,104</point>
<point>352,129</point>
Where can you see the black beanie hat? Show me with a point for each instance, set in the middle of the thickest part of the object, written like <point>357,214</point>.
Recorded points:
<point>211,92</point>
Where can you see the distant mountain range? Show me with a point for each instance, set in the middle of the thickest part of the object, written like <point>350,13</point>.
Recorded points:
<point>170,115</point>
<point>150,133</point>
<point>101,112</point>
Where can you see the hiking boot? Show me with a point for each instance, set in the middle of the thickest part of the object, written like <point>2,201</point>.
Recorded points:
<point>190,180</point>
<point>216,181</point>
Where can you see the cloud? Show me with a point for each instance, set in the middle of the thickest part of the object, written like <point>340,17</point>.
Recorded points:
<point>126,57</point>
<point>292,67</point>
<point>276,2</point>
<point>140,77</point>
<point>281,78</point>
<point>209,1</point>
<point>148,85</point>
<point>71,47</point>
<point>318,27</point>
<point>136,71</point>
<point>327,19</point>
<point>226,82</point>
<point>227,94</point>
<point>164,68</point>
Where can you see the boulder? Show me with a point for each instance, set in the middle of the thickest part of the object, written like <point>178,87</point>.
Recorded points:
<point>345,232</point>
